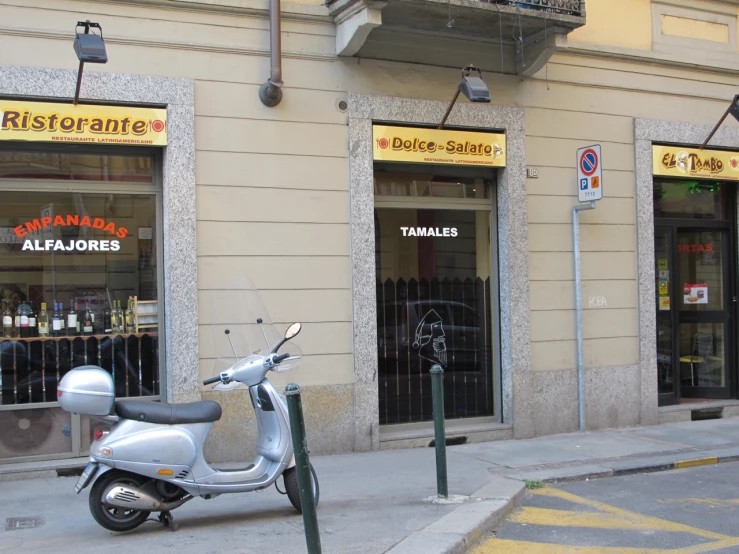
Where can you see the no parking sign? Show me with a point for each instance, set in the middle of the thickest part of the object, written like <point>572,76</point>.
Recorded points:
<point>589,174</point>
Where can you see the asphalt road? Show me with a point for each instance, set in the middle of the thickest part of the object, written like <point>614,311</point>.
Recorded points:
<point>684,511</point>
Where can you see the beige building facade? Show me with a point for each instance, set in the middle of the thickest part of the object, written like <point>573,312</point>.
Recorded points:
<point>295,197</point>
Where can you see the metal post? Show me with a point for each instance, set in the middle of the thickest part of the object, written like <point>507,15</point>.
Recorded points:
<point>437,390</point>
<point>578,311</point>
<point>715,128</point>
<point>79,84</point>
<point>449,110</point>
<point>302,468</point>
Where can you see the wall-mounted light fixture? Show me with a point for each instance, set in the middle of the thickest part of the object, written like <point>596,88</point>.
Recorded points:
<point>90,48</point>
<point>472,87</point>
<point>733,109</point>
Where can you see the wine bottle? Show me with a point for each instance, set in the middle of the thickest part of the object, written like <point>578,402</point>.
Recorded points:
<point>7,320</point>
<point>72,323</point>
<point>121,322</point>
<point>32,323</point>
<point>87,328</point>
<point>107,320</point>
<point>57,321</point>
<point>114,318</point>
<point>17,324</point>
<point>23,317</point>
<point>130,327</point>
<point>43,321</point>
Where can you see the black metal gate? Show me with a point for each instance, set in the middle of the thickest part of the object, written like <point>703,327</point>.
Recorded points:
<point>421,323</point>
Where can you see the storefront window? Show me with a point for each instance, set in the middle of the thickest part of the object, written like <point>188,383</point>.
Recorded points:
<point>78,283</point>
<point>434,307</point>
<point>75,166</point>
<point>690,199</point>
<point>424,185</point>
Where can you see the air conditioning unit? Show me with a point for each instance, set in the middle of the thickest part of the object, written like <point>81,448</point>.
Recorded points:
<point>34,432</point>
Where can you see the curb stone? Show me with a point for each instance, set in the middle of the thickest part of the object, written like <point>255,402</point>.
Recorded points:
<point>459,529</point>
<point>634,467</point>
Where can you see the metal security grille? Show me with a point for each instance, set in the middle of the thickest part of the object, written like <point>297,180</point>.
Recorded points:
<point>439,321</point>
<point>32,368</point>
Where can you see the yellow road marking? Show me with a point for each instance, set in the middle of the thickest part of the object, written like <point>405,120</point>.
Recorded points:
<point>657,523</point>
<point>500,546</point>
<point>710,502</point>
<point>694,463</point>
<point>707,547</point>
<point>608,517</point>
<point>594,520</point>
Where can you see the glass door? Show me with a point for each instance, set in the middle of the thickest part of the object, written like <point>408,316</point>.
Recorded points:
<point>702,296</point>
<point>668,385</point>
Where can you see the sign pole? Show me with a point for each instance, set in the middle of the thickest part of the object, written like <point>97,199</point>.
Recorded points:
<point>589,189</point>
<point>578,311</point>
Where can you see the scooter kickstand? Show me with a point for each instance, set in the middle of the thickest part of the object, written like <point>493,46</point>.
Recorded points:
<point>167,520</point>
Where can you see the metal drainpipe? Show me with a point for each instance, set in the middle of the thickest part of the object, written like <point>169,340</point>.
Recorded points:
<point>270,93</point>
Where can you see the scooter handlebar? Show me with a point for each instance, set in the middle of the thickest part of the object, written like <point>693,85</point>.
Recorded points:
<point>212,380</point>
<point>281,357</point>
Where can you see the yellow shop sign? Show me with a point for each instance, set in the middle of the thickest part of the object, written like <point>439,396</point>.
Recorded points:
<point>676,161</point>
<point>431,146</point>
<point>46,122</point>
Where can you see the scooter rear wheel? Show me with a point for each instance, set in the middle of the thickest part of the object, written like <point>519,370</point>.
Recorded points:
<point>290,478</point>
<point>110,517</point>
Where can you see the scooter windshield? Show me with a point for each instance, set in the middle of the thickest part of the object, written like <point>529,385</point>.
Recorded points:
<point>233,314</point>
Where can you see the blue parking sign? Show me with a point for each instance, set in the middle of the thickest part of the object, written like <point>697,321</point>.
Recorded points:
<point>583,184</point>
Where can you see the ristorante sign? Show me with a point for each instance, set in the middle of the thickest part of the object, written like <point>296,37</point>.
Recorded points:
<point>45,122</point>
<point>432,146</point>
<point>677,161</point>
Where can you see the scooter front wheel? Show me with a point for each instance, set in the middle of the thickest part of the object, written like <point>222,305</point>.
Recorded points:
<point>110,517</point>
<point>290,478</point>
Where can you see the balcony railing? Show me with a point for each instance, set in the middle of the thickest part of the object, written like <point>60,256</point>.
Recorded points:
<point>564,7</point>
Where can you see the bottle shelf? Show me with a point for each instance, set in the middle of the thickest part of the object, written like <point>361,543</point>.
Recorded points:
<point>83,337</point>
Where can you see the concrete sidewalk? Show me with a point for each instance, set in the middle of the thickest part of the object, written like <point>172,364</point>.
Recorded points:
<point>372,502</point>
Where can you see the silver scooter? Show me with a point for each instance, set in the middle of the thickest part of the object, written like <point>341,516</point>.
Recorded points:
<point>152,459</point>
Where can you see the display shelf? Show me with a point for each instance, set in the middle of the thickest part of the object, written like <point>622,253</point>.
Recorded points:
<point>83,337</point>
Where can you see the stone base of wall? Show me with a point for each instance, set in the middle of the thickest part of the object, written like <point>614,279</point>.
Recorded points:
<point>547,404</point>
<point>328,421</point>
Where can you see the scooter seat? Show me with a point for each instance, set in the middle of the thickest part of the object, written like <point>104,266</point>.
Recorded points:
<point>168,414</point>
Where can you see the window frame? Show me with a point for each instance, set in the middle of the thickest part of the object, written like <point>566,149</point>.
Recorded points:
<point>101,187</point>
<point>490,205</point>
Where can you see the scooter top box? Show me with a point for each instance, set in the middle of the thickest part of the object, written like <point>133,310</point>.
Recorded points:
<point>87,390</point>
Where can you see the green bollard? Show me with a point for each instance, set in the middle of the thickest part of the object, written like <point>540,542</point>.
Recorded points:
<point>437,389</point>
<point>302,468</point>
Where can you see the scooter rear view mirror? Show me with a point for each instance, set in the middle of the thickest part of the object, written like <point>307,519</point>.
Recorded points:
<point>293,331</point>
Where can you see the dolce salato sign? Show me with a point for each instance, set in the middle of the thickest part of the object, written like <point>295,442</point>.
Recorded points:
<point>432,146</point>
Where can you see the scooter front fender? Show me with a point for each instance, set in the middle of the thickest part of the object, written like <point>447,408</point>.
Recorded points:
<point>99,470</point>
